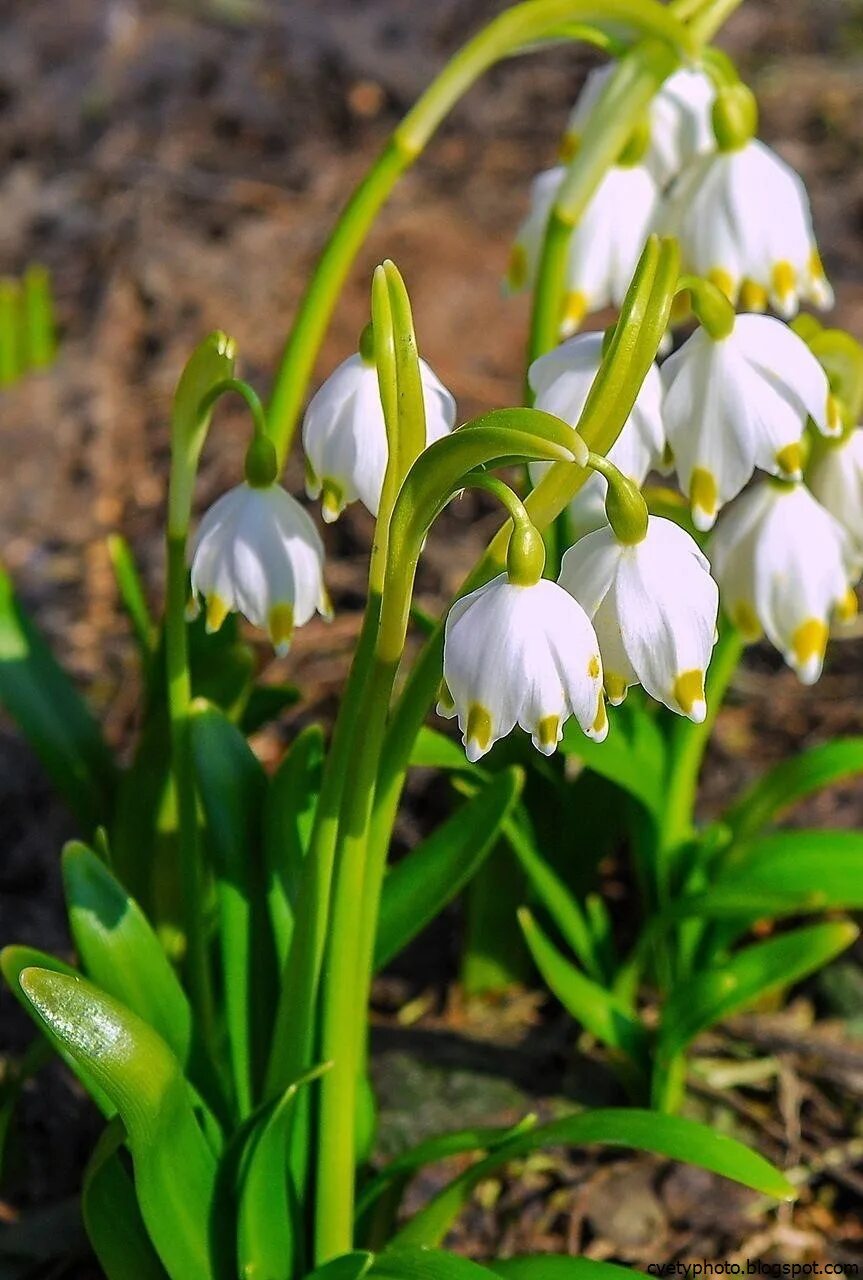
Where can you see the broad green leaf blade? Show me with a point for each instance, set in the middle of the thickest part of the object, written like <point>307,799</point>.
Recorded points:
<point>791,781</point>
<point>174,1167</point>
<point>419,887</point>
<point>711,995</point>
<point>350,1266</point>
<point>112,1218</point>
<point>434,750</point>
<point>265,703</point>
<point>233,786</point>
<point>289,814</point>
<point>119,950</point>
<point>600,1011</point>
<point>633,756</point>
<point>670,1136</point>
<point>426,1264</point>
<point>557,1267</point>
<point>52,716</point>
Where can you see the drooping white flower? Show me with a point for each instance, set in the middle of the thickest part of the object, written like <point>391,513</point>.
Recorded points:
<point>784,566</point>
<point>258,553</point>
<point>679,120</point>
<point>836,478</point>
<point>561,381</point>
<point>743,221</point>
<point>522,655</point>
<point>740,402</point>
<point>653,605</point>
<point>605,245</point>
<point>345,439</point>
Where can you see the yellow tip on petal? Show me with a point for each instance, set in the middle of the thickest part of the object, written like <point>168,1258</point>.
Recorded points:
<point>547,734</point>
<point>478,737</point>
<point>281,627</point>
<point>783,278</point>
<point>848,607</point>
<point>789,460</point>
<point>689,695</point>
<point>575,308</point>
<point>599,729</point>
<point>753,296</point>
<point>445,701</point>
<point>808,646</point>
<point>313,484</point>
<point>594,668</point>
<point>192,609</point>
<point>834,415</point>
<point>746,621</point>
<point>615,688</point>
<point>569,144</point>
<point>704,498</point>
<point>816,266</point>
<point>217,612</point>
<point>332,501</point>
<point>724,281</point>
<point>516,272</point>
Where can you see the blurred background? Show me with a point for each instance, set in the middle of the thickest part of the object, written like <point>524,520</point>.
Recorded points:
<point>176,168</point>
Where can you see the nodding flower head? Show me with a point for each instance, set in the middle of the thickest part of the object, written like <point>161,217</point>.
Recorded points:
<point>604,247</point>
<point>784,568</point>
<point>742,219</point>
<point>345,438</point>
<point>653,604</point>
<point>740,402</point>
<point>561,381</point>
<point>679,119</point>
<point>836,479</point>
<point>522,655</point>
<point>258,553</point>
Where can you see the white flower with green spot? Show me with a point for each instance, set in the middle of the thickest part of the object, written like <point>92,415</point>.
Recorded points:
<point>653,605</point>
<point>345,438</point>
<point>784,567</point>
<point>523,655</point>
<point>561,382</point>
<point>739,402</point>
<point>835,476</point>
<point>258,553</point>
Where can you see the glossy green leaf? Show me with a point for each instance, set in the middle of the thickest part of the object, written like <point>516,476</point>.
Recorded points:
<point>112,1218</point>
<point>419,887</point>
<point>557,1267</point>
<point>233,785</point>
<point>434,750</point>
<point>600,1011</point>
<point>289,814</point>
<point>670,1136</point>
<point>791,781</point>
<point>350,1266</point>
<point>174,1167</point>
<point>426,1264</point>
<point>52,716</point>
<point>633,755</point>
<point>711,995</point>
<point>119,950</point>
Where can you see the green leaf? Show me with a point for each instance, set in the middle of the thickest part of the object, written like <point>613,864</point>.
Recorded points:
<point>52,716</point>
<point>350,1266</point>
<point>113,1220</point>
<point>417,888</point>
<point>713,994</point>
<point>557,1267</point>
<point>289,814</point>
<point>174,1166</point>
<point>132,594</point>
<point>265,703</point>
<point>119,950</point>
<point>633,755</point>
<point>600,1011</point>
<point>426,1264</point>
<point>791,781</point>
<point>233,785</point>
<point>434,750</point>
<point>670,1136</point>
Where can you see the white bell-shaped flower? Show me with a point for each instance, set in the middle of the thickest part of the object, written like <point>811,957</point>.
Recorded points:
<point>345,439</point>
<point>605,245</point>
<point>561,381</point>
<point>258,553</point>
<point>522,655</point>
<point>784,565</point>
<point>742,219</point>
<point>836,478</point>
<point>679,118</point>
<point>740,402</point>
<point>653,605</point>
